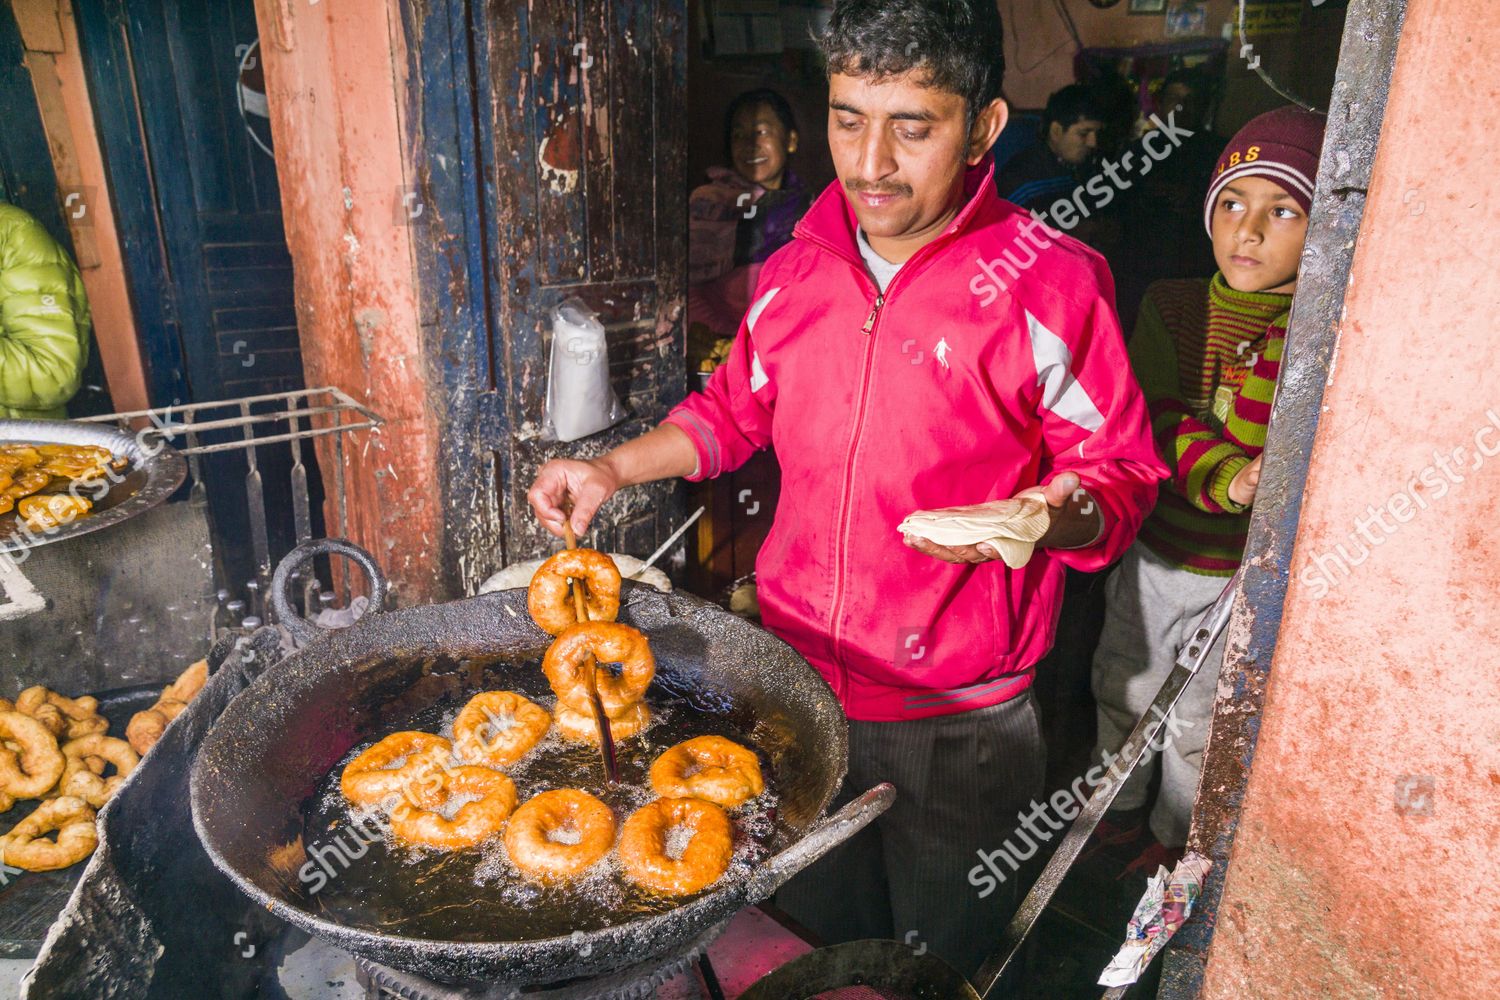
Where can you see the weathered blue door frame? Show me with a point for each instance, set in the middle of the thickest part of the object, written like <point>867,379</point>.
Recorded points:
<point>198,210</point>
<point>550,152</point>
<point>104,36</point>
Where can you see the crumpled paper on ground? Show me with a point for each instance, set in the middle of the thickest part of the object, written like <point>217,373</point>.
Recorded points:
<point>1012,526</point>
<point>1166,905</point>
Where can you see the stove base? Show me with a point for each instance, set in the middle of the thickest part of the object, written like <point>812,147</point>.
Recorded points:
<point>310,969</point>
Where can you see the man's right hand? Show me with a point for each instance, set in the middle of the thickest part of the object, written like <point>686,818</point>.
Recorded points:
<point>587,483</point>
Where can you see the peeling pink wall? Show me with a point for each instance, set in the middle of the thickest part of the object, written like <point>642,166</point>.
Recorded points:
<point>335,80</point>
<point>1368,854</point>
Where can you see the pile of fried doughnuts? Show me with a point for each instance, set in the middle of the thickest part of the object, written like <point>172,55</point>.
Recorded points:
<point>675,845</point>
<point>56,749</point>
<point>582,646</point>
<point>146,727</point>
<point>27,469</point>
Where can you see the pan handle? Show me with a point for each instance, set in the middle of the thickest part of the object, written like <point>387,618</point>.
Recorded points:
<point>853,817</point>
<point>303,630</point>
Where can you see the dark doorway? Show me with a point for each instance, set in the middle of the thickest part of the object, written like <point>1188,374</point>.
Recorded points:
<point>188,151</point>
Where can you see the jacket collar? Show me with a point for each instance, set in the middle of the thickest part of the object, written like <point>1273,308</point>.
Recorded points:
<point>832,224</point>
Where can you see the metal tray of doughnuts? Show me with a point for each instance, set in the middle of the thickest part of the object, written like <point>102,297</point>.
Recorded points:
<point>156,470</point>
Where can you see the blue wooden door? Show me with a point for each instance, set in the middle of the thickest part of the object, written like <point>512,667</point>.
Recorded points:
<point>181,114</point>
<point>551,140</point>
<point>189,163</point>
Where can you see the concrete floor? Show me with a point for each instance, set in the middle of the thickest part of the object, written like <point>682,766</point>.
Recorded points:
<point>11,970</point>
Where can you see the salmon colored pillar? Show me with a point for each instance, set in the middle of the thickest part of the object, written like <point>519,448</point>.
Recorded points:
<point>54,58</point>
<point>1368,854</point>
<point>335,81</point>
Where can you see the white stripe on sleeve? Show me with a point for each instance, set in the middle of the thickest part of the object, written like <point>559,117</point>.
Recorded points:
<point>1061,392</point>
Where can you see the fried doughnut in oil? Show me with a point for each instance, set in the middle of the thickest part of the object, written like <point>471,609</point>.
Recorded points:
<point>475,821</point>
<point>647,836</point>
<point>370,779</point>
<point>559,834</point>
<point>607,642</point>
<point>711,768</point>
<point>580,727</point>
<point>498,728</point>
<point>551,605</point>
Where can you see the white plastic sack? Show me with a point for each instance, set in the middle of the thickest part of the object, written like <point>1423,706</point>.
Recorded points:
<point>580,401</point>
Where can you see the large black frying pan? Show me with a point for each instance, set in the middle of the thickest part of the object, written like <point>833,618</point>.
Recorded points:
<point>278,739</point>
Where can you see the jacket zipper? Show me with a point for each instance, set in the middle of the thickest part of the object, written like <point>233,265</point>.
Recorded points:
<point>868,330</point>
<point>841,547</point>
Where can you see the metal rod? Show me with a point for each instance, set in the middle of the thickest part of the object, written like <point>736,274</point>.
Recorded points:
<point>710,978</point>
<point>302,521</point>
<point>1189,661</point>
<point>601,720</point>
<point>342,502</point>
<point>663,548</point>
<point>198,493</point>
<point>277,416</point>
<point>340,397</point>
<point>255,496</point>
<point>278,438</point>
<point>301,514</point>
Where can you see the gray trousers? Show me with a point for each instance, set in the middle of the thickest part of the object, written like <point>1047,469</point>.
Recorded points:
<point>1151,609</point>
<point>960,782</point>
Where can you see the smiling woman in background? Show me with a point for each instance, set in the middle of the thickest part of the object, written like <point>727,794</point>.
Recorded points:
<point>745,212</point>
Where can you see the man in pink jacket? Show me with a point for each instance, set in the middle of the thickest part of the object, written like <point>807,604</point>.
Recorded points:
<point>919,344</point>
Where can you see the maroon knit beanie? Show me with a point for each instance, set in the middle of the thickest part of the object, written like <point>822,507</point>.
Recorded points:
<point>1281,146</point>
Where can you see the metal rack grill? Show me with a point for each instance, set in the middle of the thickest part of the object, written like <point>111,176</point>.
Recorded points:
<point>290,418</point>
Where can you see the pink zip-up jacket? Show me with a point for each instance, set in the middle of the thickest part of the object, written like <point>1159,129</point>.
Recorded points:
<point>991,363</point>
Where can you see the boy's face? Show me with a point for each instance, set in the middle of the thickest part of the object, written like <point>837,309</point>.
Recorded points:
<point>1075,144</point>
<point>759,145</point>
<point>900,149</point>
<point>1258,232</point>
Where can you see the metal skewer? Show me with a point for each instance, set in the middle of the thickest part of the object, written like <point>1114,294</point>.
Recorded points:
<point>581,612</point>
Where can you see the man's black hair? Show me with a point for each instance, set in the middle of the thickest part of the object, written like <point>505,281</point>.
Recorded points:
<point>1074,103</point>
<point>754,99</point>
<point>956,43</point>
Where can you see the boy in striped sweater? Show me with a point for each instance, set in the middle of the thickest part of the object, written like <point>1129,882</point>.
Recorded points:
<point>1206,353</point>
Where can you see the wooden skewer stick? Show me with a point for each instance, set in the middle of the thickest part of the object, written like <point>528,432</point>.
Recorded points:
<point>581,612</point>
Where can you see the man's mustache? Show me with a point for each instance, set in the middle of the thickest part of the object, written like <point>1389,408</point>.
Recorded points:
<point>860,187</point>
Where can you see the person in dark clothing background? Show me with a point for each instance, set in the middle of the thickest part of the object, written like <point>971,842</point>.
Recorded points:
<point>1162,210</point>
<point>1053,167</point>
